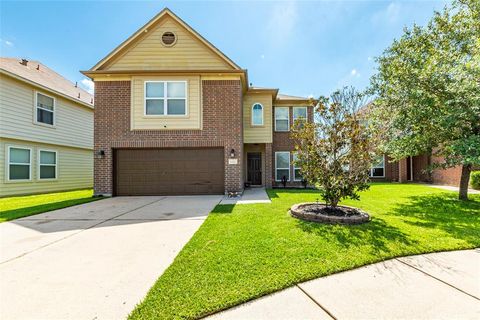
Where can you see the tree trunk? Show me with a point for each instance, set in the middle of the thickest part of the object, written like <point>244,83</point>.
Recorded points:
<point>464,179</point>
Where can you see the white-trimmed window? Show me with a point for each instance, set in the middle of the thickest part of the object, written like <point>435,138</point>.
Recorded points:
<point>165,98</point>
<point>282,165</point>
<point>300,113</point>
<point>297,175</point>
<point>19,167</point>
<point>282,119</point>
<point>47,165</point>
<point>257,114</point>
<point>378,168</point>
<point>44,109</point>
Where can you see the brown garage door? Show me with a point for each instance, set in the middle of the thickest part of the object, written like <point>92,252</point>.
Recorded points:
<point>168,171</point>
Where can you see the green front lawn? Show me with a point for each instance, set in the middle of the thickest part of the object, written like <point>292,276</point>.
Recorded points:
<point>243,252</point>
<point>23,206</point>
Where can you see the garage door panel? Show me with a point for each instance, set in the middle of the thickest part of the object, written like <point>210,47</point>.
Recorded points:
<point>169,171</point>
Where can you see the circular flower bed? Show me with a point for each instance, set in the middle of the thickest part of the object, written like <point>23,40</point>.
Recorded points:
<point>319,212</point>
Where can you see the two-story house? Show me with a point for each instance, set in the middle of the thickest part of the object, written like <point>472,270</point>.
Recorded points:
<point>176,116</point>
<point>46,130</point>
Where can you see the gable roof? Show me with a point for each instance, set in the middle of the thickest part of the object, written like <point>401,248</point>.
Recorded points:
<point>165,12</point>
<point>40,75</point>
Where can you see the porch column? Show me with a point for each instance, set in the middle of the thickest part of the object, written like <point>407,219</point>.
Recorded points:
<point>268,165</point>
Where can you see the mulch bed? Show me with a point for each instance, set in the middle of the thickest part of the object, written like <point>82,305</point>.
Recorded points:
<point>319,212</point>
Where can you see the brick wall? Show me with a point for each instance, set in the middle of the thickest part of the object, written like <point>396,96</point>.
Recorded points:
<point>283,142</point>
<point>222,127</point>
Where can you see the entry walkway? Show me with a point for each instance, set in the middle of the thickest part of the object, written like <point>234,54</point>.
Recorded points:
<point>450,188</point>
<point>249,196</point>
<point>442,285</point>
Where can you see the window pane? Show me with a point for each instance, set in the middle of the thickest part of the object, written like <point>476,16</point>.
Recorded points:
<point>176,89</point>
<point>281,125</point>
<point>377,172</point>
<point>257,115</point>
<point>44,116</point>
<point>282,173</point>
<point>155,89</point>
<point>281,113</point>
<point>44,101</point>
<point>47,172</point>
<point>298,175</point>
<point>283,160</point>
<point>154,106</point>
<point>379,162</point>
<point>47,157</point>
<point>176,106</point>
<point>299,113</point>
<point>19,155</point>
<point>19,172</point>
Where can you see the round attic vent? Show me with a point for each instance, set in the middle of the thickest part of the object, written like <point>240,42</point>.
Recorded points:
<point>169,38</point>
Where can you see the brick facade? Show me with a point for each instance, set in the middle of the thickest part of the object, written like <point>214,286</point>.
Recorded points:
<point>222,127</point>
<point>283,142</point>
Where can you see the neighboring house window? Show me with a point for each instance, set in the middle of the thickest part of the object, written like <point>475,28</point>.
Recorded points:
<point>47,166</point>
<point>297,175</point>
<point>19,164</point>
<point>378,168</point>
<point>300,113</point>
<point>282,165</point>
<point>166,98</point>
<point>257,114</point>
<point>282,121</point>
<point>45,109</point>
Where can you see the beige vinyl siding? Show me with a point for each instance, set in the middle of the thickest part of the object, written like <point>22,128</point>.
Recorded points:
<point>193,119</point>
<point>257,134</point>
<point>74,169</point>
<point>73,122</point>
<point>149,53</point>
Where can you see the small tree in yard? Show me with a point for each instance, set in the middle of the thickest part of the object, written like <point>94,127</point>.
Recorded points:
<point>428,89</point>
<point>334,152</point>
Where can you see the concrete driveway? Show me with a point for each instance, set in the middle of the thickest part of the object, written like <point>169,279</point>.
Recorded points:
<point>93,261</point>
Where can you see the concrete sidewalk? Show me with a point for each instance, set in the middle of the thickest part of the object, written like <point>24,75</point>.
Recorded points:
<point>249,196</point>
<point>442,285</point>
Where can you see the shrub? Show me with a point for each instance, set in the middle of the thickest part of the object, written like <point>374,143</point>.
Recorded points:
<point>475,180</point>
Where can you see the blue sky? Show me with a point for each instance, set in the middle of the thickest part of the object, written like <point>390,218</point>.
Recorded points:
<point>303,48</point>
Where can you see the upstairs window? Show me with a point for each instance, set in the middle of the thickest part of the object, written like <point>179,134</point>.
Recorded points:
<point>378,168</point>
<point>19,164</point>
<point>300,114</point>
<point>257,115</point>
<point>47,165</point>
<point>282,120</point>
<point>44,109</point>
<point>166,98</point>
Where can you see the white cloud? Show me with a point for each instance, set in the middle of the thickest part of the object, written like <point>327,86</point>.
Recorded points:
<point>88,85</point>
<point>388,16</point>
<point>354,73</point>
<point>262,56</point>
<point>370,58</point>
<point>7,43</point>
<point>282,22</point>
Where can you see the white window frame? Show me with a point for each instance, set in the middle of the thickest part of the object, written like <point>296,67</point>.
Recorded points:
<point>288,118</point>
<point>35,107</point>
<point>371,170</point>
<point>251,122</point>
<point>165,99</point>
<point>50,165</point>
<point>8,163</point>
<point>294,167</point>
<point>306,113</point>
<point>288,168</point>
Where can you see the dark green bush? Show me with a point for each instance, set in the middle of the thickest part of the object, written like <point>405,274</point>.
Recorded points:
<point>475,180</point>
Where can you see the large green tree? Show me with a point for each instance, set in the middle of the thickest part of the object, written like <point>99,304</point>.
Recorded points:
<point>428,91</point>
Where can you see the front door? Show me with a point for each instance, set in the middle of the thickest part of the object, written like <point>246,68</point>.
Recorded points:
<point>254,168</point>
